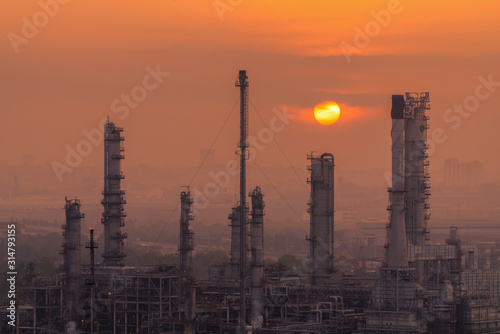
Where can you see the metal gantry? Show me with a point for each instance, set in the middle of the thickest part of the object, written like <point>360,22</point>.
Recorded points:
<point>242,83</point>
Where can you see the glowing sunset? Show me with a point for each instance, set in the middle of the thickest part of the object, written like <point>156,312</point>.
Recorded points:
<point>249,166</point>
<point>327,113</point>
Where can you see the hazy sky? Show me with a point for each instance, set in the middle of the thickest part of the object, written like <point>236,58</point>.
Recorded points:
<point>63,73</point>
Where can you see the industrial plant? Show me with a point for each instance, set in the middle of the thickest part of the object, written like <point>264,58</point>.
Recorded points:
<point>420,288</point>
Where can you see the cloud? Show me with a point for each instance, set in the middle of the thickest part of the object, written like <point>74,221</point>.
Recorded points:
<point>348,113</point>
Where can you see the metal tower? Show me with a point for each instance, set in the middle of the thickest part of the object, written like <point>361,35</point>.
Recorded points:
<point>321,210</point>
<point>71,255</point>
<point>188,288</point>
<point>398,300</point>
<point>113,215</point>
<point>91,245</point>
<point>186,233</point>
<point>257,266</point>
<point>243,145</point>
<point>397,253</point>
<point>416,175</point>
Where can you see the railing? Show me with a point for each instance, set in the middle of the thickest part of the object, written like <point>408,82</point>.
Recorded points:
<point>113,192</point>
<point>120,236</point>
<point>115,176</point>
<point>89,245</point>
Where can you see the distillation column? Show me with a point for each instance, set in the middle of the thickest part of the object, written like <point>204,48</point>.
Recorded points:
<point>113,215</point>
<point>242,83</point>
<point>397,300</point>
<point>416,176</point>
<point>186,247</point>
<point>397,256</point>
<point>234,262</point>
<point>321,210</point>
<point>91,245</point>
<point>257,248</point>
<point>71,255</point>
<point>186,233</point>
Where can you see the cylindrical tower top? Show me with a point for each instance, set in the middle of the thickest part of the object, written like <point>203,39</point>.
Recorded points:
<point>398,107</point>
<point>242,79</point>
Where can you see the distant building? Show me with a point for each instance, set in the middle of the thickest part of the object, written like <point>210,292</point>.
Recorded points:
<point>463,173</point>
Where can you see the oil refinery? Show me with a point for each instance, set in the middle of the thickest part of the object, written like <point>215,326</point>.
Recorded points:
<point>421,287</point>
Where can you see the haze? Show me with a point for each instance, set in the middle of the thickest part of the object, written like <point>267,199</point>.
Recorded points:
<point>65,79</point>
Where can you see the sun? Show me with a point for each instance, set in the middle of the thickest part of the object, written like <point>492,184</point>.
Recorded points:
<point>327,112</point>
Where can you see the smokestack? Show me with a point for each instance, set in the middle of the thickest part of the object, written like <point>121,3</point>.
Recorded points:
<point>186,234</point>
<point>113,215</point>
<point>243,145</point>
<point>71,257</point>
<point>257,247</point>
<point>396,255</point>
<point>321,210</point>
<point>416,175</point>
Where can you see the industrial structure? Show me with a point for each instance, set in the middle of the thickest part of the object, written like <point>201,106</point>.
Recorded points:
<point>321,215</point>
<point>234,261</point>
<point>425,288</point>
<point>257,264</point>
<point>113,201</point>
<point>397,298</point>
<point>243,84</point>
<point>71,249</point>
<point>421,287</point>
<point>416,174</point>
<point>186,233</point>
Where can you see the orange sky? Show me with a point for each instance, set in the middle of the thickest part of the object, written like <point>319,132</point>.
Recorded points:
<point>65,78</point>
